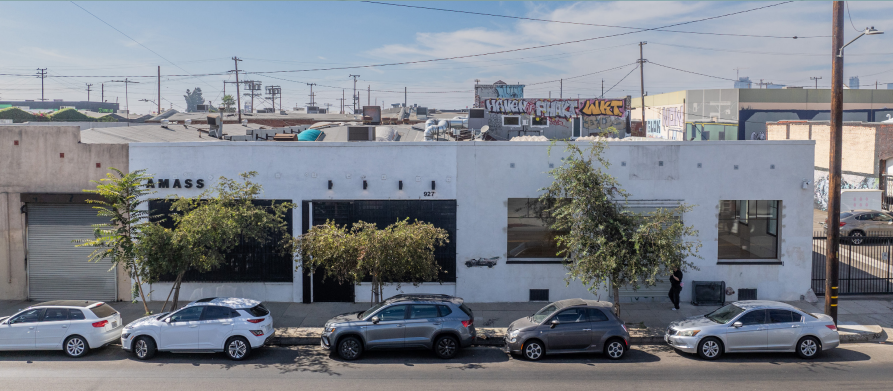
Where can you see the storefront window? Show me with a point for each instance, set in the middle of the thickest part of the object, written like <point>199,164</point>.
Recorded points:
<point>748,229</point>
<point>529,232</point>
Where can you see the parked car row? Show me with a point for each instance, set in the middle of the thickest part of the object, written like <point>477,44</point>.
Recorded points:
<point>441,323</point>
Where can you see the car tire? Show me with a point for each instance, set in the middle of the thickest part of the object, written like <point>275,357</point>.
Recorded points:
<point>143,348</point>
<point>615,348</point>
<point>237,348</point>
<point>75,346</point>
<point>710,348</point>
<point>857,237</point>
<point>808,347</point>
<point>446,347</point>
<point>533,350</point>
<point>350,348</point>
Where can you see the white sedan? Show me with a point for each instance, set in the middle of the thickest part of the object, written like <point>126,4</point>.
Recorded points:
<point>73,326</point>
<point>230,325</point>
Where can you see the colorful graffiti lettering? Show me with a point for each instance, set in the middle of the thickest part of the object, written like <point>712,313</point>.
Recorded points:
<point>612,107</point>
<point>672,116</point>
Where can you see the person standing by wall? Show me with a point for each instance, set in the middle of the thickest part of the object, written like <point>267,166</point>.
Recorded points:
<point>675,287</point>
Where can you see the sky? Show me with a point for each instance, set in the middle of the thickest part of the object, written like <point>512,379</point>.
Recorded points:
<point>190,40</point>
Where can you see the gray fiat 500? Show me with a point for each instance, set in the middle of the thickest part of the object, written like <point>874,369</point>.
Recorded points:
<point>569,326</point>
<point>754,326</point>
<point>439,322</point>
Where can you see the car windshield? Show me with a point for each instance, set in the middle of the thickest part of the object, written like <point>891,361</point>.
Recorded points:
<point>724,314</point>
<point>369,311</point>
<point>544,313</point>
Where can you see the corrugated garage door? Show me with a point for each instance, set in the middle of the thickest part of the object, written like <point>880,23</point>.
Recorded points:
<point>56,268</point>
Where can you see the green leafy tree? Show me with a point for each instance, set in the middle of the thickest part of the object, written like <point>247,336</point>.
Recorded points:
<point>228,102</point>
<point>606,245</point>
<point>207,227</point>
<point>120,199</point>
<point>401,252</point>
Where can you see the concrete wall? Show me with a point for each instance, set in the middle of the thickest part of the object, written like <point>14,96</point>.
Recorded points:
<point>480,176</point>
<point>31,161</point>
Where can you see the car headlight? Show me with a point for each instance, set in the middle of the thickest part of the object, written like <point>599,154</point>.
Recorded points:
<point>514,334</point>
<point>330,329</point>
<point>688,333</point>
<point>125,335</point>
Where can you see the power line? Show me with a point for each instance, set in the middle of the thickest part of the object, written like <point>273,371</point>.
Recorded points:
<point>850,16</point>
<point>618,82</point>
<point>695,73</point>
<point>592,24</point>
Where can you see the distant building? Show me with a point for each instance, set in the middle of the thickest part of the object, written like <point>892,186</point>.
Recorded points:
<point>36,105</point>
<point>743,82</point>
<point>772,86</point>
<point>854,82</point>
<point>500,89</point>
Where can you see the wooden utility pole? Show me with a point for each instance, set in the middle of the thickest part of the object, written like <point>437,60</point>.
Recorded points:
<point>603,89</point>
<point>642,81</point>
<point>404,96</point>
<point>342,101</point>
<point>238,98</point>
<point>354,96</point>
<point>832,265</point>
<point>41,74</point>
<point>561,89</point>
<point>369,95</point>
<point>102,97</point>
<point>88,91</point>
<point>159,90</point>
<point>817,78</point>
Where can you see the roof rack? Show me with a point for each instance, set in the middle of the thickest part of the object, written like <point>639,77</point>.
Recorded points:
<point>420,296</point>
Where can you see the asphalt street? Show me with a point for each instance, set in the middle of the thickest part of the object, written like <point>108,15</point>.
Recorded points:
<point>855,366</point>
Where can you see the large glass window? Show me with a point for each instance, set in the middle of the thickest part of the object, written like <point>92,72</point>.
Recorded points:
<point>748,229</point>
<point>529,232</point>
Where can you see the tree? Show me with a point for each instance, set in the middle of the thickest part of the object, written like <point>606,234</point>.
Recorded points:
<point>401,252</point>
<point>228,102</point>
<point>121,198</point>
<point>604,244</point>
<point>207,227</point>
<point>193,99</point>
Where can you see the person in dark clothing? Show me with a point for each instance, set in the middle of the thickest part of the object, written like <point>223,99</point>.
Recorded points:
<point>675,287</point>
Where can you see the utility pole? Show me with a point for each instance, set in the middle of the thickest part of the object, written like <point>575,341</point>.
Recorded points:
<point>561,89</point>
<point>368,95</point>
<point>102,97</point>
<point>159,90</point>
<point>603,89</point>
<point>41,74</point>
<point>816,81</point>
<point>404,96</point>
<point>88,91</point>
<point>273,91</point>
<point>126,81</point>
<point>642,80</point>
<point>832,266</point>
<point>312,100</point>
<point>354,96</point>
<point>238,97</point>
<point>252,86</point>
<point>342,101</point>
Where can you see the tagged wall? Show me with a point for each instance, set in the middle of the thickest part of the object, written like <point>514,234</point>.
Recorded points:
<point>556,116</point>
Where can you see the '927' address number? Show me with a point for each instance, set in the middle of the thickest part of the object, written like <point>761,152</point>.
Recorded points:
<point>429,194</point>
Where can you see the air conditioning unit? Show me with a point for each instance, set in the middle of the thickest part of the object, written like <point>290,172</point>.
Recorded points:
<point>360,133</point>
<point>708,293</point>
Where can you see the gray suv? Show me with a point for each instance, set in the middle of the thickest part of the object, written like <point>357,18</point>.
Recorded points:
<point>439,322</point>
<point>569,326</point>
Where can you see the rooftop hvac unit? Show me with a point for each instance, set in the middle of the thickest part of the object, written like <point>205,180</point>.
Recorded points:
<point>360,133</point>
<point>708,293</point>
<point>201,108</point>
<point>476,119</point>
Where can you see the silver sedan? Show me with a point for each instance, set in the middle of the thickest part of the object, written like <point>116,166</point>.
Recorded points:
<point>754,326</point>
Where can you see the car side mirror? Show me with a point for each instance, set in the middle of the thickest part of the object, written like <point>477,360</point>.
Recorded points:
<point>167,320</point>
<point>555,322</point>
<point>375,320</point>
<point>737,324</point>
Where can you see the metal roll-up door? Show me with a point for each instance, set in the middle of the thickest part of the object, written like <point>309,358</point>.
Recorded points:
<point>56,268</point>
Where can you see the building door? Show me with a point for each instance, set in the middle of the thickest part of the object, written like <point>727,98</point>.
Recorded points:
<point>56,268</point>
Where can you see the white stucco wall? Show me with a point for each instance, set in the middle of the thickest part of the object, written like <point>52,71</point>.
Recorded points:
<point>479,176</point>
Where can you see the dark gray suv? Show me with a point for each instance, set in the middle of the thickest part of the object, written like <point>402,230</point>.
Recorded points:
<point>569,326</point>
<point>439,322</point>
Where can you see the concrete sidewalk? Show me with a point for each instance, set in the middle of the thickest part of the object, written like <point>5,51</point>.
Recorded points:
<point>861,319</point>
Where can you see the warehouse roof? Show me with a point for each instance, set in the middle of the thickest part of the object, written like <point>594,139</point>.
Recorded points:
<point>145,134</point>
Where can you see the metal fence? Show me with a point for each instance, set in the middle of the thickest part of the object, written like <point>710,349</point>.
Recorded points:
<point>865,266</point>
<point>886,195</point>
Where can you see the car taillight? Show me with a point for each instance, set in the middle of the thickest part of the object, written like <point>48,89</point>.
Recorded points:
<point>466,323</point>
<point>831,326</point>
<point>255,320</point>
<point>624,327</point>
<point>101,323</point>
<point>842,223</point>
<point>257,333</point>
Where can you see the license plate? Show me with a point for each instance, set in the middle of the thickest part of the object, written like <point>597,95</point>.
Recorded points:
<point>114,324</point>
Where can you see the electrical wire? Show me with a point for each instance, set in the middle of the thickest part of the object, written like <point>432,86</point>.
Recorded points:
<point>850,15</point>
<point>618,82</point>
<point>590,24</point>
<point>694,73</point>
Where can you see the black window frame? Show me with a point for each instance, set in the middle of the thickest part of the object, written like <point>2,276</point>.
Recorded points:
<point>517,117</point>
<point>532,214</point>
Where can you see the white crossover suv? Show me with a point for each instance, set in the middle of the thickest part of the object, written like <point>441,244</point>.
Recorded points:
<point>230,325</point>
<point>73,326</point>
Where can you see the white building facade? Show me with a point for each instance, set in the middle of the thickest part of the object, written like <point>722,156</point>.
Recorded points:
<point>750,206</point>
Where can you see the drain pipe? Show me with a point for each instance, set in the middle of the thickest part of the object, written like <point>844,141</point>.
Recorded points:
<point>8,239</point>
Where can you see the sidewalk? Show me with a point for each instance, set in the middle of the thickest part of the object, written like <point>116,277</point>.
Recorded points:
<point>861,319</point>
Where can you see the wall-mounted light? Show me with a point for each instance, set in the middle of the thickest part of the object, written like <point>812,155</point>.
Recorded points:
<point>365,184</point>
<point>400,185</point>
<point>432,185</point>
<point>806,184</point>
<point>330,184</point>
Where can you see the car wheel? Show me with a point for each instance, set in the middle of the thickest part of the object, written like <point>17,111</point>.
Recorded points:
<point>237,348</point>
<point>144,348</point>
<point>533,350</point>
<point>710,348</point>
<point>857,237</point>
<point>446,347</point>
<point>808,347</point>
<point>350,348</point>
<point>615,349</point>
<point>76,346</point>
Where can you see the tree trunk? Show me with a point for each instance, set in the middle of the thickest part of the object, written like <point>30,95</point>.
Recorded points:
<point>616,291</point>
<point>168,299</point>
<point>376,298</point>
<point>139,287</point>
<point>177,290</point>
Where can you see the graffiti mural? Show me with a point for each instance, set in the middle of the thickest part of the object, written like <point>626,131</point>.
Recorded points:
<point>612,107</point>
<point>847,181</point>
<point>558,111</point>
<point>509,91</point>
<point>652,128</point>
